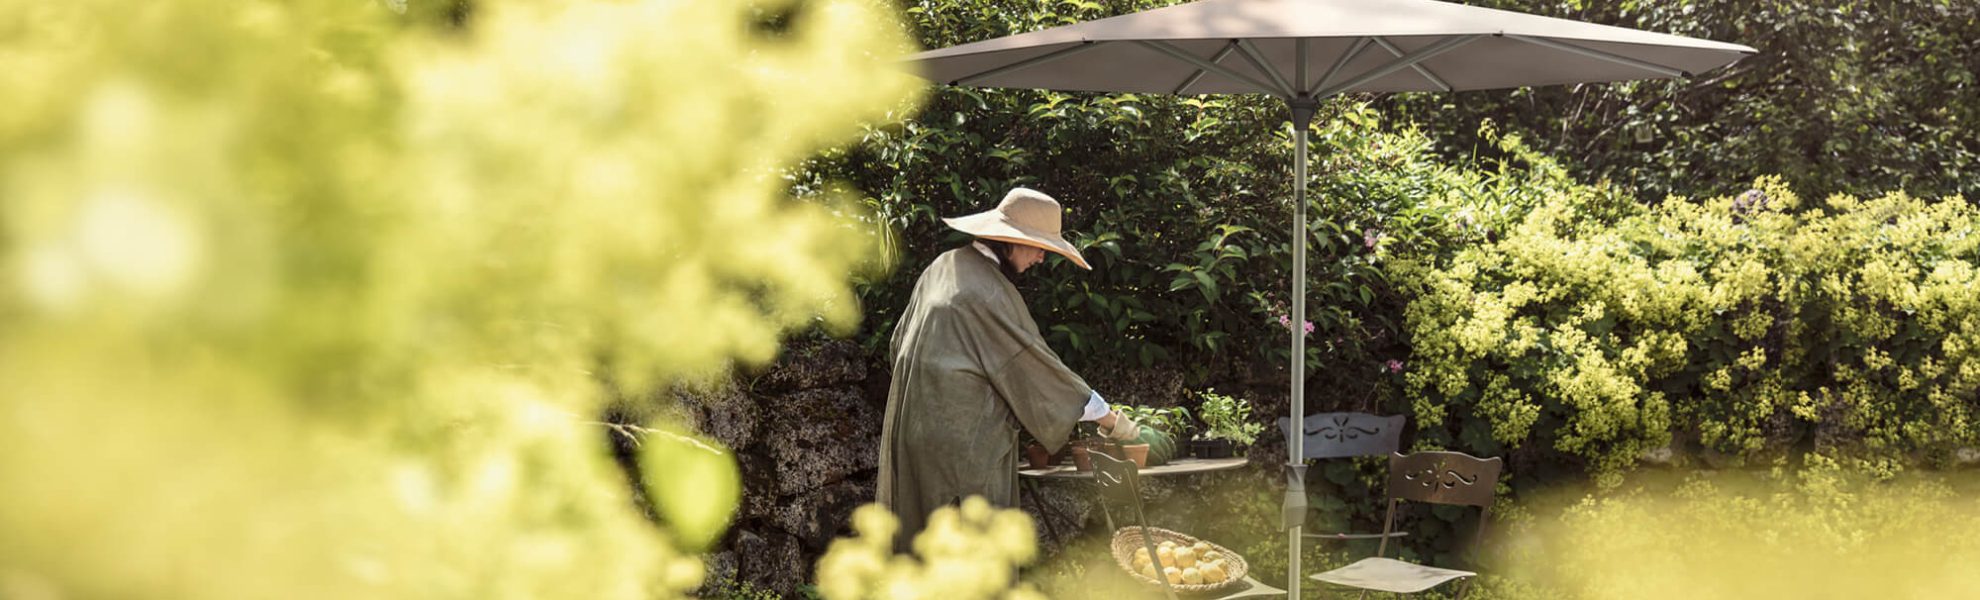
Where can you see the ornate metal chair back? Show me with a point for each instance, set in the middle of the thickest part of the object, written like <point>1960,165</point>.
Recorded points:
<point>1345,434</point>
<point>1444,478</point>
<point>1441,478</point>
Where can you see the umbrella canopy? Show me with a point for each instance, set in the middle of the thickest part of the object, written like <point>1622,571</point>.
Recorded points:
<point>1302,51</point>
<point>1319,48</point>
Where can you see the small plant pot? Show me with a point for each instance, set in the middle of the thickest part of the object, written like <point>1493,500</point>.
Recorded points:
<point>1081,459</point>
<point>1137,453</point>
<point>1211,448</point>
<point>1035,454</point>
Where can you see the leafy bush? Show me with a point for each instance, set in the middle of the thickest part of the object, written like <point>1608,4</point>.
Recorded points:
<point>967,552</point>
<point>310,299</point>
<point>1841,97</point>
<point>1819,529</point>
<point>1750,324</point>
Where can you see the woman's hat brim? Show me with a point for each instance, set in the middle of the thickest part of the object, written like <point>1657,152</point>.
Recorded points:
<point>992,225</point>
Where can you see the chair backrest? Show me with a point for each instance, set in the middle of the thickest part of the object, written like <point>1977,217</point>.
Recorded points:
<point>1118,479</point>
<point>1440,478</point>
<point>1444,478</point>
<point>1345,434</point>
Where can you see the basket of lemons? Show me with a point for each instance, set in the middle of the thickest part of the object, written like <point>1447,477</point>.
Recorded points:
<point>1187,563</point>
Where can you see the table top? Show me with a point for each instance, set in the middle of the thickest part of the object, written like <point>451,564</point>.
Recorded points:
<point>1180,466</point>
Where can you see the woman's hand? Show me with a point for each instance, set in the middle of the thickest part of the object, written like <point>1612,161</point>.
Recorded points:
<point>1120,428</point>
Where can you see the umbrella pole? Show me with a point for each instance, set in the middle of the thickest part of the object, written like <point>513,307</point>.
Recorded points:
<point>1303,108</point>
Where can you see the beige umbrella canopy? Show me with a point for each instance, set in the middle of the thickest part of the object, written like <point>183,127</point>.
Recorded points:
<point>1303,51</point>
<point>1319,48</point>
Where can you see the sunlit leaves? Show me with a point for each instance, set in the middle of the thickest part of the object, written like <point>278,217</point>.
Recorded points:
<point>313,299</point>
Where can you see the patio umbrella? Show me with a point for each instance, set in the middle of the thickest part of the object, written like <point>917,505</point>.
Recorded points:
<point>1304,51</point>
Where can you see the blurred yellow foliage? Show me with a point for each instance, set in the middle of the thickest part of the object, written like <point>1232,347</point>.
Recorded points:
<point>1821,531</point>
<point>967,552</point>
<point>310,299</point>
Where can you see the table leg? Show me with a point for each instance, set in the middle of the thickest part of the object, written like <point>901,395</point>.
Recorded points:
<point>1044,511</point>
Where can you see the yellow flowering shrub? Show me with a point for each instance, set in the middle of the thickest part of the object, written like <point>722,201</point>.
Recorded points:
<point>311,298</point>
<point>967,552</point>
<point>1816,531</point>
<point>1741,325</point>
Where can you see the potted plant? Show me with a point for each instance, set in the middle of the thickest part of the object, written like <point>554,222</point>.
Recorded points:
<point>1035,455</point>
<point>1227,425</point>
<point>1086,437</point>
<point>1160,427</point>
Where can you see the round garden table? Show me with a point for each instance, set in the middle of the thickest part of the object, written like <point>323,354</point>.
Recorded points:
<point>1065,472</point>
<point>1180,466</point>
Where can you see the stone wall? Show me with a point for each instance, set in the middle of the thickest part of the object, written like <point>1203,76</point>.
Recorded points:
<point>807,438</point>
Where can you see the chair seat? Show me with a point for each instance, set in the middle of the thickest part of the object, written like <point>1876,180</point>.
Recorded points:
<point>1251,588</point>
<point>1390,575</point>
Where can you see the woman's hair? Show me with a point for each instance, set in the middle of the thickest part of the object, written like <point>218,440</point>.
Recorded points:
<point>1003,251</point>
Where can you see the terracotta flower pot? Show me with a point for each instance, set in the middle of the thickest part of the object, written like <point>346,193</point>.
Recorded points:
<point>1082,460</point>
<point>1137,453</point>
<point>1035,454</point>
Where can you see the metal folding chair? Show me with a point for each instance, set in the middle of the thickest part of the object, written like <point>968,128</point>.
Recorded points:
<point>1347,435</point>
<point>1120,482</point>
<point>1452,478</point>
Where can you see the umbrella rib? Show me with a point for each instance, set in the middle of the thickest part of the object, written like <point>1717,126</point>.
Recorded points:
<point>1299,65</point>
<point>1419,68</point>
<point>1257,61</point>
<point>1178,54</point>
<point>1600,55</point>
<point>1197,75</point>
<point>1340,63</point>
<point>1027,63</point>
<point>1420,55</point>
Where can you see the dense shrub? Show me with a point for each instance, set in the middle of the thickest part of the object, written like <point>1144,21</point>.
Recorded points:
<point>1747,325</point>
<point>1843,96</point>
<point>307,299</point>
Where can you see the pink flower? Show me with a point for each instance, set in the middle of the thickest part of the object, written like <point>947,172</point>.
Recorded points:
<point>1393,366</point>
<point>1369,238</point>
<point>1286,322</point>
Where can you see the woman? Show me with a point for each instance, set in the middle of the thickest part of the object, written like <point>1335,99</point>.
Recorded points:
<point>970,368</point>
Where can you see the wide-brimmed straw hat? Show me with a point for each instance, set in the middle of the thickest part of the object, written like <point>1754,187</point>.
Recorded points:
<point>1026,216</point>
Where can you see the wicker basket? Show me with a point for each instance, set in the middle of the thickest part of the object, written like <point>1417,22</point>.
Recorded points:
<point>1127,539</point>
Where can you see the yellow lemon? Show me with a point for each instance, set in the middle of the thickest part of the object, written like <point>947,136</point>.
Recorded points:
<point>1166,555</point>
<point>1214,572</point>
<point>1141,553</point>
<point>1141,561</point>
<point>1185,557</point>
<point>1212,555</point>
<point>1149,571</point>
<point>1192,576</point>
<point>1201,548</point>
<point>1174,575</point>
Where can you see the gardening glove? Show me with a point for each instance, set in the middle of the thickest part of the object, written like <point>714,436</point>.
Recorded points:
<point>1124,429</point>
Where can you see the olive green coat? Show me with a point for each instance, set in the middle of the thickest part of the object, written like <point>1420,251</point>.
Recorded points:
<point>969,368</point>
